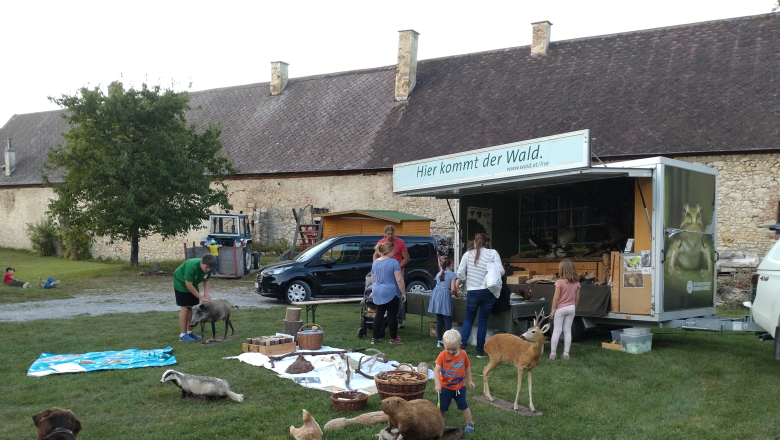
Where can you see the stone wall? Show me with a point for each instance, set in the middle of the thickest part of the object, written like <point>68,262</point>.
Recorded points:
<point>19,206</point>
<point>269,202</point>
<point>749,190</point>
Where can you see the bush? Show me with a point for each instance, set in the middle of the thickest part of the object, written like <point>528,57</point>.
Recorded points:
<point>277,247</point>
<point>75,243</point>
<point>43,236</point>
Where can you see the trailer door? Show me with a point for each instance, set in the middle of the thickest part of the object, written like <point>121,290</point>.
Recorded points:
<point>690,226</point>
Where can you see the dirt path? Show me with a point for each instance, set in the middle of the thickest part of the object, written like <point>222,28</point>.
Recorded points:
<point>134,295</point>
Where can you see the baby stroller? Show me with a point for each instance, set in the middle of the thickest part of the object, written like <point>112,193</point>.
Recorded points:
<point>368,314</point>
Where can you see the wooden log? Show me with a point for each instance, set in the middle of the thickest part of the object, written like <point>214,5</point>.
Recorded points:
<point>292,327</point>
<point>293,314</point>
<point>363,419</point>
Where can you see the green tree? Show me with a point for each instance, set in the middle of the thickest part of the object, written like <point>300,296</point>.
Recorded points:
<point>132,167</point>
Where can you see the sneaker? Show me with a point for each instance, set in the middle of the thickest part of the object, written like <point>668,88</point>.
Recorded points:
<point>375,341</point>
<point>400,325</point>
<point>552,356</point>
<point>566,355</point>
<point>463,347</point>
<point>439,344</point>
<point>186,338</point>
<point>396,340</point>
<point>194,336</point>
<point>469,428</point>
<point>480,354</point>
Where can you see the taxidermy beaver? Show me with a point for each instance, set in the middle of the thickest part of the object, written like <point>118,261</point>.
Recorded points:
<point>418,419</point>
<point>688,251</point>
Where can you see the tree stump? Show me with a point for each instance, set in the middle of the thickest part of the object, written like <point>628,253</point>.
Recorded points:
<point>292,328</point>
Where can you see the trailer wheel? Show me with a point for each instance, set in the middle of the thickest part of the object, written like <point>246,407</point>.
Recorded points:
<point>577,329</point>
<point>247,259</point>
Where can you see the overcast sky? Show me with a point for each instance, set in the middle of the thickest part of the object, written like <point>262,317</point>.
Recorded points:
<point>54,48</point>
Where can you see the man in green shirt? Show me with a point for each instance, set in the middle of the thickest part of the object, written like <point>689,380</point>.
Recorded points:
<point>185,284</point>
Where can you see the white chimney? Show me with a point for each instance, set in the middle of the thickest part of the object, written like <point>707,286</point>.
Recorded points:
<point>406,70</point>
<point>279,77</point>
<point>10,158</point>
<point>541,37</point>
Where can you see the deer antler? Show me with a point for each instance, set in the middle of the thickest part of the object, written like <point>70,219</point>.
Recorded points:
<point>540,318</point>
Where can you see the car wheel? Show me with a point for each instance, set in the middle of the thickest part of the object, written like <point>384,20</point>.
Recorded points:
<point>297,291</point>
<point>417,287</point>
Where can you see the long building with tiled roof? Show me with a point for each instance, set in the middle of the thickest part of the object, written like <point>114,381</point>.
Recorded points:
<point>708,89</point>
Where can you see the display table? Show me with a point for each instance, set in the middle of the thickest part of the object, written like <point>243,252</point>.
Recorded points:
<point>594,300</point>
<point>513,320</point>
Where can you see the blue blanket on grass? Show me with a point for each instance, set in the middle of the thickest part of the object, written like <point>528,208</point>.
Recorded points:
<point>101,360</point>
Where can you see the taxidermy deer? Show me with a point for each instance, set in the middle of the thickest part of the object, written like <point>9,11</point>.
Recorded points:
<point>523,352</point>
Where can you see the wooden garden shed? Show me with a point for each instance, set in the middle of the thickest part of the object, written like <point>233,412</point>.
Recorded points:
<point>367,221</point>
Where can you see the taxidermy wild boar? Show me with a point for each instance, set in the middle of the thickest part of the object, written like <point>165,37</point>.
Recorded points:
<point>210,388</point>
<point>216,310</point>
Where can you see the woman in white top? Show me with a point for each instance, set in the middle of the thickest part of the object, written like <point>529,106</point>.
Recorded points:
<point>479,300</point>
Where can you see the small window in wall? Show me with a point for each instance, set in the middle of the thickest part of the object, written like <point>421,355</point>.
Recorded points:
<point>344,253</point>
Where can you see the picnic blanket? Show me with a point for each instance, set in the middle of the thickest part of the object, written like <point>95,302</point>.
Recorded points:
<point>324,375</point>
<point>100,360</point>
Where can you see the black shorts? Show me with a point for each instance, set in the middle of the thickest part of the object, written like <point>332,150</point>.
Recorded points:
<point>186,299</point>
<point>447,395</point>
<point>16,283</point>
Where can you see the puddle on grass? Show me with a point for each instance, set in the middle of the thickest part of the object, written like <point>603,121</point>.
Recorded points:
<point>130,295</point>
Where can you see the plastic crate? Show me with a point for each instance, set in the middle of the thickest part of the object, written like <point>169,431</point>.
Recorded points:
<point>636,344</point>
<point>636,331</point>
<point>616,334</point>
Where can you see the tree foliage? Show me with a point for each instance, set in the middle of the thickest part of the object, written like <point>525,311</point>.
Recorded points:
<point>132,167</point>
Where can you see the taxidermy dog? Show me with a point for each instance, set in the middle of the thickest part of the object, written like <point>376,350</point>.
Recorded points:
<point>201,387</point>
<point>57,424</point>
<point>216,310</point>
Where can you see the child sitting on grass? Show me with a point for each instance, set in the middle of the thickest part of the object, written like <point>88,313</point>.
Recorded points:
<point>48,284</point>
<point>452,368</point>
<point>9,279</point>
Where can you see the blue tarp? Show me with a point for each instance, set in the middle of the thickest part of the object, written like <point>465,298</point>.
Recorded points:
<point>101,360</point>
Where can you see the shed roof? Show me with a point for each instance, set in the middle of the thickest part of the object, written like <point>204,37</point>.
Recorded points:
<point>704,88</point>
<point>391,216</point>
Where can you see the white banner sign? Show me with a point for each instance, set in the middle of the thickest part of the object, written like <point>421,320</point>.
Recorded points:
<point>553,153</point>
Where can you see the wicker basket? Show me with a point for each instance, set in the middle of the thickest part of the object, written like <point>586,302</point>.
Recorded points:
<point>357,401</point>
<point>310,340</point>
<point>410,389</point>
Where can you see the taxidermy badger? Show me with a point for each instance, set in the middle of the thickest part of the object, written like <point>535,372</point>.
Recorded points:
<point>200,386</point>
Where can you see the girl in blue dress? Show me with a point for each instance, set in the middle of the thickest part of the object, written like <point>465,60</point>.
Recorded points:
<point>441,299</point>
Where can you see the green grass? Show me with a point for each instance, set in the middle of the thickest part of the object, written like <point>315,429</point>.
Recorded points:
<point>691,385</point>
<point>75,276</point>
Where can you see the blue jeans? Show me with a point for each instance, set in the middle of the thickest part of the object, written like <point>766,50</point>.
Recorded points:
<point>477,301</point>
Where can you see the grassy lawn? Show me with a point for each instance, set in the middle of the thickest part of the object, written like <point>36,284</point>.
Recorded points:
<point>691,385</point>
<point>75,276</point>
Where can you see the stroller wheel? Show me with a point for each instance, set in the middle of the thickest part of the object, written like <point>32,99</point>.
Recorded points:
<point>362,332</point>
<point>382,331</point>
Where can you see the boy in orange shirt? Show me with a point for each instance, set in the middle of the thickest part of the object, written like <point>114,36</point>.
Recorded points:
<point>452,368</point>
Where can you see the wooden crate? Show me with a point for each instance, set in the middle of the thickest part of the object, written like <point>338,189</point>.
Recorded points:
<point>270,349</point>
<point>514,279</point>
<point>608,346</point>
